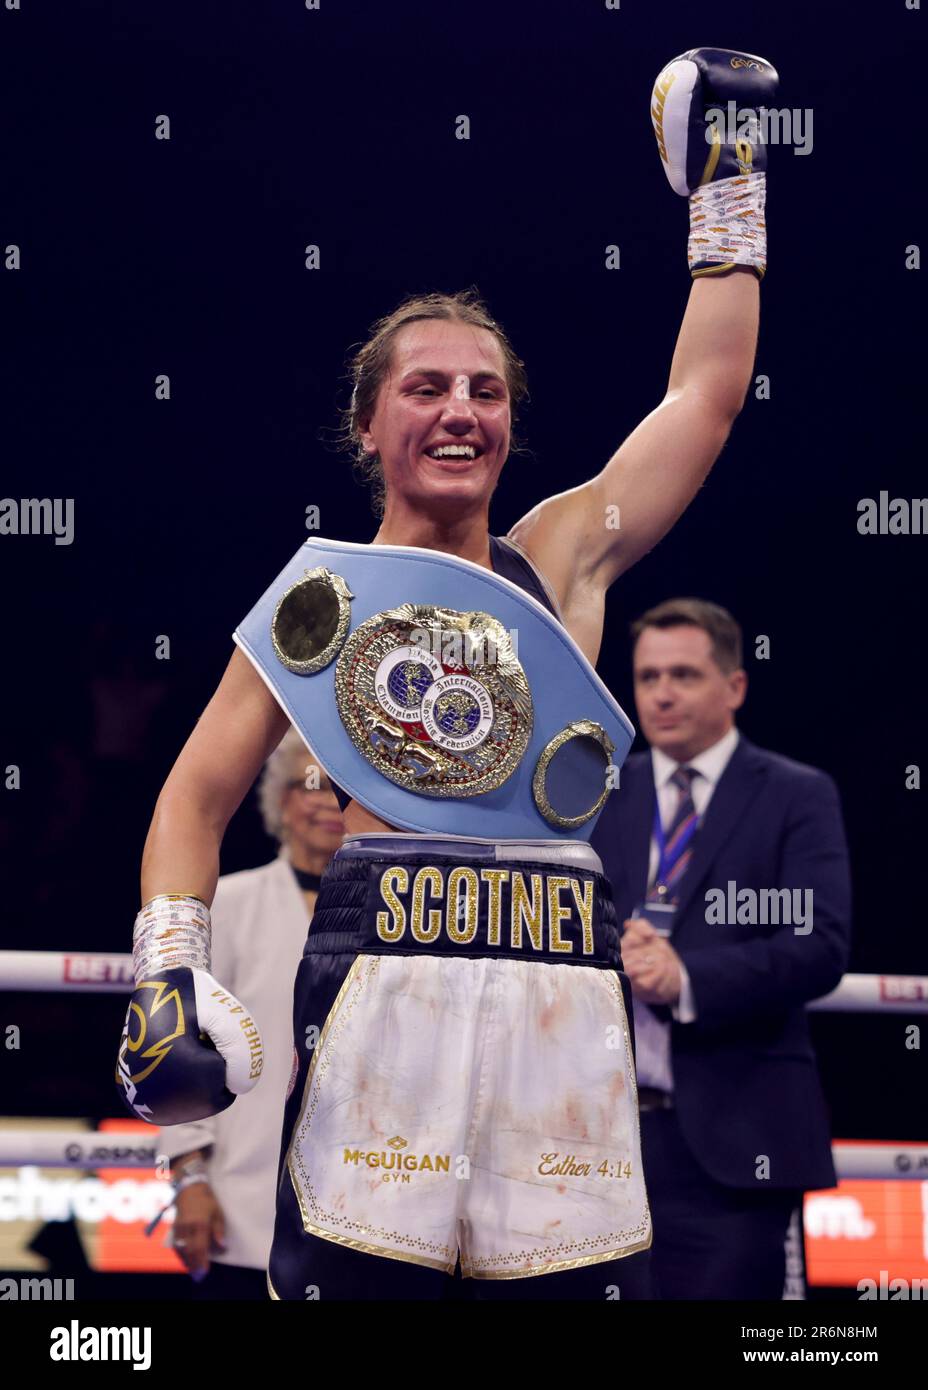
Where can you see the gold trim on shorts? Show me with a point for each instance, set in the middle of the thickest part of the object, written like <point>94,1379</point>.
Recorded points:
<point>348,1243</point>
<point>445,1265</point>
<point>558,1266</point>
<point>554,1266</point>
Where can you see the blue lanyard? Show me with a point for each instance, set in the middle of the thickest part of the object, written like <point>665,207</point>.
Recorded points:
<point>663,865</point>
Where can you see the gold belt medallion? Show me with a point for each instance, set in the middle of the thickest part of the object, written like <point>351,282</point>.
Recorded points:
<point>435,699</point>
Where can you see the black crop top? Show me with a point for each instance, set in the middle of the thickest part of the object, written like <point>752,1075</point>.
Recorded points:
<point>512,563</point>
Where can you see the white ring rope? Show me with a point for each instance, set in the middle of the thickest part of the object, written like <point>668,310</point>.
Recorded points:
<point>89,972</point>
<point>81,1148</point>
<point>871,994</point>
<point>863,1160</point>
<point>86,972</point>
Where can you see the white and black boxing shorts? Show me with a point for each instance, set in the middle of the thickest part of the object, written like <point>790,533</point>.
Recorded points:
<point>463,1076</point>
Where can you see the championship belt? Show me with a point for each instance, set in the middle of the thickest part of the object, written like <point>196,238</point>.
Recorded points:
<point>438,694</point>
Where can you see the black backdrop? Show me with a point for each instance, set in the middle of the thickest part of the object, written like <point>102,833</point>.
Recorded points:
<point>186,257</point>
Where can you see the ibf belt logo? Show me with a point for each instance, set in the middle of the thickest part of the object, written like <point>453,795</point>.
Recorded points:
<point>448,725</point>
<point>394,1164</point>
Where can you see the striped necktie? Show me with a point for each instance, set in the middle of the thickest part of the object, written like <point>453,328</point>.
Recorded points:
<point>678,847</point>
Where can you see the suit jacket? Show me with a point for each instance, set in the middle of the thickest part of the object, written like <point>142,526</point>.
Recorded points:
<point>745,1077</point>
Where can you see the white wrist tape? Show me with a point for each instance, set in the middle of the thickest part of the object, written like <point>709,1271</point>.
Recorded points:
<point>171,931</point>
<point>727,225</point>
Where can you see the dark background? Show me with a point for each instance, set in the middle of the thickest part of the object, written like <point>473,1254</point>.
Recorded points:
<point>185,257</point>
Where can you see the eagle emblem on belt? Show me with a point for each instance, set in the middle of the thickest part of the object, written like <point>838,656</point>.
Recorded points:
<point>435,699</point>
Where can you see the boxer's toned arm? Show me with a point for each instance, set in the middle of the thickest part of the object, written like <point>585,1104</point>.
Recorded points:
<point>657,472</point>
<point>188,1046</point>
<point>238,730</point>
<point>584,539</point>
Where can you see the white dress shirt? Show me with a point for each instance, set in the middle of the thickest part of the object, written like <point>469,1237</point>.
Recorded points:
<point>260,924</point>
<point>652,1036</point>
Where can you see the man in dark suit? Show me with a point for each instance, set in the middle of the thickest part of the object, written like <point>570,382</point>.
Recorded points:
<point>730,872</point>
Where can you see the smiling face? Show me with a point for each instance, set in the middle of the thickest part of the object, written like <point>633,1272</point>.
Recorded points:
<point>442,420</point>
<point>685,702</point>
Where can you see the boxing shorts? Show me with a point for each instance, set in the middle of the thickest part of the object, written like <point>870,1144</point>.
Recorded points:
<point>464,1084</point>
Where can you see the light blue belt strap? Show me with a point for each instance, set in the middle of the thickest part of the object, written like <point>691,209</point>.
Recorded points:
<point>567,699</point>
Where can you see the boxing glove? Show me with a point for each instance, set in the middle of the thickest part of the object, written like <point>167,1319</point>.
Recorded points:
<point>188,1046</point>
<point>708,113</point>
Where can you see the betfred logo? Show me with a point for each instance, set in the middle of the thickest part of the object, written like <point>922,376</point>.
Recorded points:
<point>98,970</point>
<point>903,989</point>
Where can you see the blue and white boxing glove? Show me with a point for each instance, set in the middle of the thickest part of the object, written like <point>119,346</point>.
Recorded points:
<point>188,1046</point>
<point>707,110</point>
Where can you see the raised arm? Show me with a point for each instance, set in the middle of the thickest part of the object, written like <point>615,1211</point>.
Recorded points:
<point>587,537</point>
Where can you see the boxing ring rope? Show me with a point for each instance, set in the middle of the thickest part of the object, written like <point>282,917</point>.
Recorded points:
<point>78,1148</point>
<point>113,1148</point>
<point>863,994</point>
<point>89,972</point>
<point>85,972</point>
